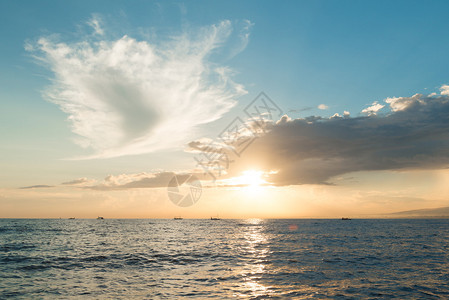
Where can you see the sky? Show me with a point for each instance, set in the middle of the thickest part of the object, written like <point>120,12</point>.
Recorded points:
<point>268,109</point>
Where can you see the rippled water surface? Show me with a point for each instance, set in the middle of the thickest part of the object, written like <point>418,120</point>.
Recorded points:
<point>258,259</point>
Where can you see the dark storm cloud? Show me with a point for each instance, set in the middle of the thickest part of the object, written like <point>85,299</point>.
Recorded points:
<point>414,135</point>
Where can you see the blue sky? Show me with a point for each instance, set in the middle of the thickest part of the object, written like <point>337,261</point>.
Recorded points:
<point>343,54</point>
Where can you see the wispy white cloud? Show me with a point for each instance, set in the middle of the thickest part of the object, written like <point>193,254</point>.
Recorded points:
<point>242,38</point>
<point>323,106</point>
<point>127,96</point>
<point>95,22</point>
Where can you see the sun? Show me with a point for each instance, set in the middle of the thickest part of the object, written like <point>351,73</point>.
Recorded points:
<point>252,178</point>
<point>251,182</point>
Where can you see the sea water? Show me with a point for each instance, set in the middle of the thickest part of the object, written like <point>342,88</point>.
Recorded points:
<point>255,259</point>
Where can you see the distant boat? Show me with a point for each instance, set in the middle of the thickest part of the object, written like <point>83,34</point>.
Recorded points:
<point>100,218</point>
<point>215,218</point>
<point>72,218</point>
<point>346,219</point>
<point>177,218</point>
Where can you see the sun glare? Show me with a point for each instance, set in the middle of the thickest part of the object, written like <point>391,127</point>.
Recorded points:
<point>251,181</point>
<point>251,178</point>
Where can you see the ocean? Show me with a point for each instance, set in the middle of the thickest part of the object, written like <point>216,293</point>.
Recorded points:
<point>224,259</point>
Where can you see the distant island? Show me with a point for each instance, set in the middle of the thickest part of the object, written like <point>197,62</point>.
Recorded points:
<point>428,212</point>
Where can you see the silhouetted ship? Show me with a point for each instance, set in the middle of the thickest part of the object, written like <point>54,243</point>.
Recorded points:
<point>177,218</point>
<point>346,219</point>
<point>72,218</point>
<point>100,218</point>
<point>215,218</point>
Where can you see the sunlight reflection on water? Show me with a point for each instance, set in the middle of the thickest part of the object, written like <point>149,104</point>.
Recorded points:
<point>257,251</point>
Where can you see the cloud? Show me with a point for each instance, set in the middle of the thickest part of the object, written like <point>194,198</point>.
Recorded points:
<point>157,179</point>
<point>38,186</point>
<point>140,180</point>
<point>130,181</point>
<point>374,108</point>
<point>323,106</point>
<point>413,135</point>
<point>129,96</point>
<point>300,109</point>
<point>206,146</point>
<point>444,89</point>
<point>336,115</point>
<point>402,103</point>
<point>95,22</point>
<point>242,38</point>
<point>79,181</point>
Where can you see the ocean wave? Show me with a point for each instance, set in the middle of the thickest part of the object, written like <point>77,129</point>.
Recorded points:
<point>158,259</point>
